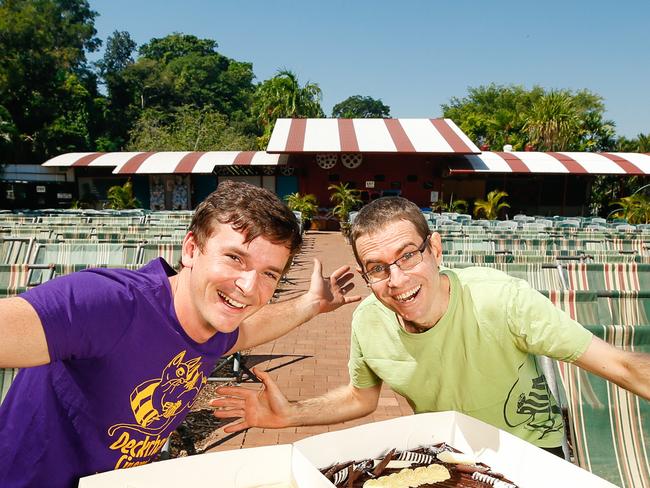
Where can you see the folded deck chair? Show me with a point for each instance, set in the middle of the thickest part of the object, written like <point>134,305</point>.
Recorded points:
<point>607,276</point>
<point>609,426</point>
<point>624,307</point>
<point>7,376</point>
<point>171,252</point>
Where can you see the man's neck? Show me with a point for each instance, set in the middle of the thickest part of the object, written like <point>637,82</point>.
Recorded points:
<point>439,310</point>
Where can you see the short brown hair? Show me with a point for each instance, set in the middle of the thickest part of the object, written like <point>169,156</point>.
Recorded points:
<point>383,211</point>
<point>249,209</point>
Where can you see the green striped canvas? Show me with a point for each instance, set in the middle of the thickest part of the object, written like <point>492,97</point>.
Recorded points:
<point>608,276</point>
<point>610,427</point>
<point>7,376</point>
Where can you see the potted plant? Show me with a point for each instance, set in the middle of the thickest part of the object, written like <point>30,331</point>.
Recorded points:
<point>491,207</point>
<point>307,205</point>
<point>121,197</point>
<point>346,200</point>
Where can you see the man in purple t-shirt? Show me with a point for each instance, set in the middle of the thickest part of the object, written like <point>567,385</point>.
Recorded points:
<point>115,358</point>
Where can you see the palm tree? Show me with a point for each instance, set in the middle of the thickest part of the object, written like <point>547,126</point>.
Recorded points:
<point>553,122</point>
<point>121,197</point>
<point>634,208</point>
<point>283,97</point>
<point>644,143</point>
<point>491,207</point>
<point>346,200</point>
<point>307,205</point>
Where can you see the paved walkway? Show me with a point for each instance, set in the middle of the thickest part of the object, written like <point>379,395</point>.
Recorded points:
<point>312,359</point>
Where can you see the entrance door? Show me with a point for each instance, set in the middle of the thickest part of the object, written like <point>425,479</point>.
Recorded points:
<point>286,185</point>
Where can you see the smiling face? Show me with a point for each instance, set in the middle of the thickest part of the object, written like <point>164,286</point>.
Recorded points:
<point>225,281</point>
<point>419,295</point>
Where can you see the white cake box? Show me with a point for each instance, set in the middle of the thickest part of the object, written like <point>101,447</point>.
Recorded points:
<point>520,461</point>
<point>277,466</point>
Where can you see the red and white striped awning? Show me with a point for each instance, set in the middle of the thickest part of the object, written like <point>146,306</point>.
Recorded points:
<point>553,163</point>
<point>431,136</point>
<point>167,162</point>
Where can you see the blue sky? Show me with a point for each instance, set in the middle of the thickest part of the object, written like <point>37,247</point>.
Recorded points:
<point>416,55</point>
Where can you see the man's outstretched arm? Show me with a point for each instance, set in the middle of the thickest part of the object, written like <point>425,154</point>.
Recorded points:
<point>269,408</point>
<point>629,370</point>
<point>272,321</point>
<point>22,339</point>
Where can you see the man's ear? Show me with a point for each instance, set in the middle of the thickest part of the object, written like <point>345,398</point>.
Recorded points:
<point>189,250</point>
<point>435,242</point>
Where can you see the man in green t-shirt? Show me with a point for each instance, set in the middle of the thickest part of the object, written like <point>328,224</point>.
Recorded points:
<point>462,340</point>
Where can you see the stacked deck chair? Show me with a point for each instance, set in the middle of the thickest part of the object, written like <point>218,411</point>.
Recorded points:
<point>609,427</point>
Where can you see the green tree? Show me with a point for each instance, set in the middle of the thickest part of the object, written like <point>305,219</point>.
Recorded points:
<point>283,97</point>
<point>634,208</point>
<point>307,205</point>
<point>358,107</point>
<point>187,129</point>
<point>181,69</point>
<point>641,143</point>
<point>493,115</point>
<point>8,132</point>
<point>346,199</point>
<point>553,122</point>
<point>496,115</point>
<point>170,73</point>
<point>491,206</point>
<point>121,197</point>
<point>44,78</point>
<point>117,117</point>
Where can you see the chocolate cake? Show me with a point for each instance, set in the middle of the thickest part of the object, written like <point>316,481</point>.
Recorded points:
<point>427,467</point>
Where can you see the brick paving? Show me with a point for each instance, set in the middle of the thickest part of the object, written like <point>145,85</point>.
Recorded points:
<point>312,359</point>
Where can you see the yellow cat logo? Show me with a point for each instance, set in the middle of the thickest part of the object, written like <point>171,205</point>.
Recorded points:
<point>156,402</point>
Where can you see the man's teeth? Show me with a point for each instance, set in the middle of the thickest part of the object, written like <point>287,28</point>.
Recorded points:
<point>407,295</point>
<point>231,302</point>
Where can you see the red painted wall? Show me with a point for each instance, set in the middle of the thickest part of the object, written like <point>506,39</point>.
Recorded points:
<point>416,176</point>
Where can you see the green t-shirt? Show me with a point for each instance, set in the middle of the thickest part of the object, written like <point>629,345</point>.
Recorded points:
<point>478,359</point>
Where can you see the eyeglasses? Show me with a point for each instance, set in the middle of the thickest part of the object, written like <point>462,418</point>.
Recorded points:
<point>409,260</point>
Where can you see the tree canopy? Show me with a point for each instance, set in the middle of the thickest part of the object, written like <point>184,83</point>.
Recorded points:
<point>178,92</point>
<point>283,97</point>
<point>358,107</point>
<point>555,120</point>
<point>187,127</point>
<point>46,88</point>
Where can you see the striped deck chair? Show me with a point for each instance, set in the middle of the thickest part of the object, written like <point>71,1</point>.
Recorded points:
<point>474,230</point>
<point>615,257</point>
<point>16,250</point>
<point>624,307</point>
<point>7,376</point>
<point>450,260</point>
<point>17,278</point>
<point>64,269</point>
<point>171,252</point>
<point>610,427</point>
<point>581,306</point>
<point>590,245</point>
<point>467,245</point>
<point>86,253</point>
<point>478,259</point>
<point>540,276</point>
<point>627,244</point>
<point>607,276</point>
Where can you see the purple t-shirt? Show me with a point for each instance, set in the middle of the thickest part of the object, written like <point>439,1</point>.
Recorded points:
<point>122,376</point>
